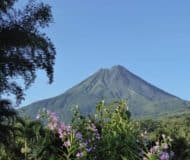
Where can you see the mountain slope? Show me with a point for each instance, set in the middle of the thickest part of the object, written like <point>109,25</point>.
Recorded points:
<point>112,84</point>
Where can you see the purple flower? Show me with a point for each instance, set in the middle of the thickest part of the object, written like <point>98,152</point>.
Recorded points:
<point>61,133</point>
<point>78,135</point>
<point>68,129</point>
<point>62,126</point>
<point>164,156</point>
<point>89,149</point>
<point>79,154</point>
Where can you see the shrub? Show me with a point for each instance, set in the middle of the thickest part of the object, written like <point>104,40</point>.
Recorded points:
<point>108,134</point>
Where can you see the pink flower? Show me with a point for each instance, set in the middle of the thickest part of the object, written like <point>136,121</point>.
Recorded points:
<point>63,126</point>
<point>52,126</point>
<point>61,133</point>
<point>67,143</point>
<point>53,117</point>
<point>154,149</point>
<point>165,145</point>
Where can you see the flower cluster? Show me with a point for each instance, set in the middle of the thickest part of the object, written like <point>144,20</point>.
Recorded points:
<point>84,140</point>
<point>88,142</point>
<point>95,130</point>
<point>161,150</point>
<point>70,138</point>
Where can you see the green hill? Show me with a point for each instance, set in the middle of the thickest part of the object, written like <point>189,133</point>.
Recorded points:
<point>113,84</point>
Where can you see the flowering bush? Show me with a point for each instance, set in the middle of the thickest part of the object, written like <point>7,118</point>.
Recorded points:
<point>72,145</point>
<point>108,134</point>
<point>161,150</point>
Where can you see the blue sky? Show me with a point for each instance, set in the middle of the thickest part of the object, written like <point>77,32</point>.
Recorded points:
<point>150,38</point>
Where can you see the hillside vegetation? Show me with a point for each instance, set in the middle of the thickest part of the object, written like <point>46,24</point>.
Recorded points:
<point>108,134</point>
<point>112,84</point>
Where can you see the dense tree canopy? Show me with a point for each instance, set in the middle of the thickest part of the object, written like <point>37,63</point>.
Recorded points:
<point>23,47</point>
<point>7,117</point>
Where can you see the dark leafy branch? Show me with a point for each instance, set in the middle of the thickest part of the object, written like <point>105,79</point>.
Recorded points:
<point>23,47</point>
